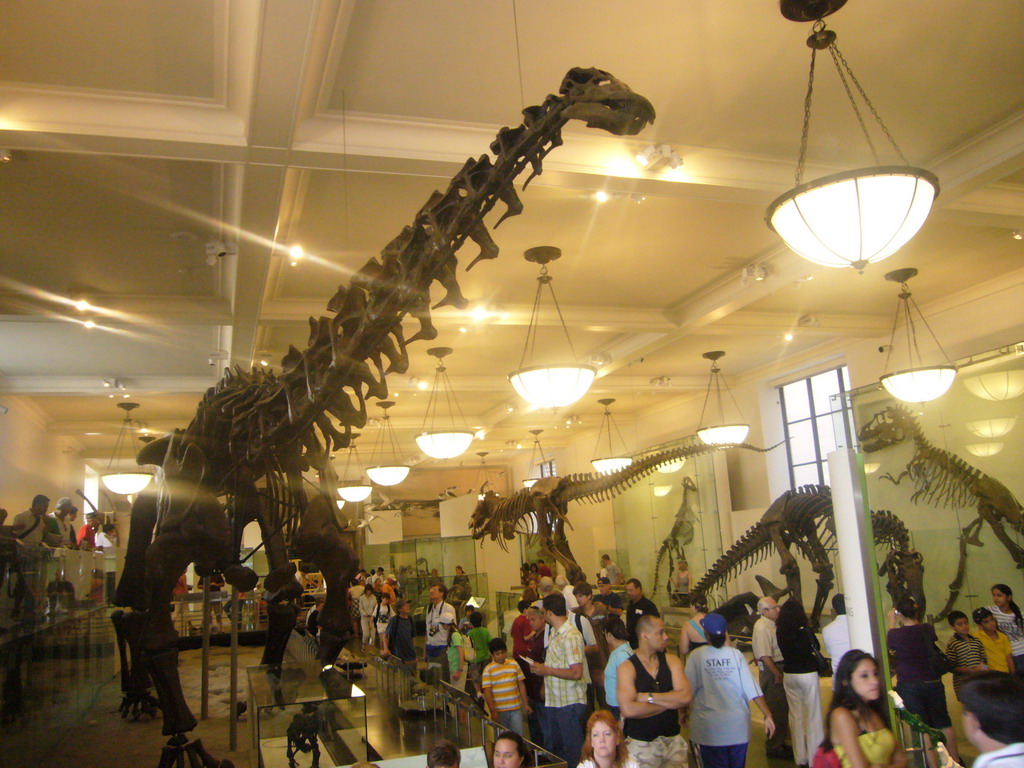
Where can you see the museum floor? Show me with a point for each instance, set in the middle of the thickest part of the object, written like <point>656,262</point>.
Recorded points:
<point>104,740</point>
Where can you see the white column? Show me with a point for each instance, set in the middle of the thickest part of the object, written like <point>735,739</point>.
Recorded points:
<point>856,549</point>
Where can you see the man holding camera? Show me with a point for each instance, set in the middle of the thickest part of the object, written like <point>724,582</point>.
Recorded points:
<point>440,622</point>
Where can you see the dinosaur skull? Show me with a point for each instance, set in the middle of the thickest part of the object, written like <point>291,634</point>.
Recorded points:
<point>601,101</point>
<point>883,431</point>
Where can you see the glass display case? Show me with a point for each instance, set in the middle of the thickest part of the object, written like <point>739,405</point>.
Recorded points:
<point>666,517</point>
<point>950,471</point>
<point>302,715</point>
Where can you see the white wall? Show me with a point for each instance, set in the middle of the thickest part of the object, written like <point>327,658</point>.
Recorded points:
<point>33,461</point>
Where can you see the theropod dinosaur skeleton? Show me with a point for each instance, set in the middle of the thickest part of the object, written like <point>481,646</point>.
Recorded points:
<point>242,457</point>
<point>803,518</point>
<point>944,479</point>
<point>543,509</point>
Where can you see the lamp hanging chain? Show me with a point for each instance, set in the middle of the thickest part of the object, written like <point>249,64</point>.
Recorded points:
<point>120,442</point>
<point>930,331</point>
<point>707,393</point>
<point>732,397</point>
<point>838,58</point>
<point>820,39</point>
<point>531,331</point>
<point>807,122</point>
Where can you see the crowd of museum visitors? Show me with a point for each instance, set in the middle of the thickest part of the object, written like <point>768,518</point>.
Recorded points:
<point>590,677</point>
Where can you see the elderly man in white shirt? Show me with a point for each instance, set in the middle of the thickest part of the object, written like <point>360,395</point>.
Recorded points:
<point>769,660</point>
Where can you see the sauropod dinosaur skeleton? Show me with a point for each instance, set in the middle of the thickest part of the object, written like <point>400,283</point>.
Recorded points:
<point>242,457</point>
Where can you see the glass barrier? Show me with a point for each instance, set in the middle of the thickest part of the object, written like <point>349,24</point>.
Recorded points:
<point>950,471</point>
<point>668,517</point>
<point>56,645</point>
<point>298,709</point>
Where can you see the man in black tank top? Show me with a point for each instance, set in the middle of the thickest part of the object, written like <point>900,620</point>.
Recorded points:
<point>651,688</point>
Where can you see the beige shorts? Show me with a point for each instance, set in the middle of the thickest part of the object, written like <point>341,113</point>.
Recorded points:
<point>662,752</point>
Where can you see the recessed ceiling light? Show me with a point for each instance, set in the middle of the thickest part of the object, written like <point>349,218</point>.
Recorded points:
<point>601,196</point>
<point>788,337</point>
<point>89,324</point>
<point>81,305</point>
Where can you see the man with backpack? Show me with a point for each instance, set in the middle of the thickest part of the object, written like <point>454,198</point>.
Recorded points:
<point>398,636</point>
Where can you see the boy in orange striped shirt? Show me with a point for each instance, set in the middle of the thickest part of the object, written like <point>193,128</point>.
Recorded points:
<point>504,688</point>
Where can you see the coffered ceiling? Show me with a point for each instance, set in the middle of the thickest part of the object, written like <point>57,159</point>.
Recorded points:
<point>142,130</point>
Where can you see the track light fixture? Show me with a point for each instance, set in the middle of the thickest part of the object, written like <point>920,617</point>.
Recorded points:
<point>654,156</point>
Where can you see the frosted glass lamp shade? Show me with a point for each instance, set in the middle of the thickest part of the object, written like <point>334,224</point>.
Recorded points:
<point>611,464</point>
<point>672,467</point>
<point>444,445</point>
<point>723,434</point>
<point>662,490</point>
<point>919,385</point>
<point>854,218</point>
<point>530,481</point>
<point>126,483</point>
<point>388,475</point>
<point>870,467</point>
<point>990,428</point>
<point>996,386</point>
<point>355,493</point>
<point>984,450</point>
<point>552,386</point>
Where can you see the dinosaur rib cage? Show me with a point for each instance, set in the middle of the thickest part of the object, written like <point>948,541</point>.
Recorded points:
<point>807,521</point>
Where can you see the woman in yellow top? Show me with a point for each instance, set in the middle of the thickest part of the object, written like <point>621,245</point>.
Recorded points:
<point>858,720</point>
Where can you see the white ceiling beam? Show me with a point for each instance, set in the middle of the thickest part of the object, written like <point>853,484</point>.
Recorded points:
<point>297,312</point>
<point>93,385</point>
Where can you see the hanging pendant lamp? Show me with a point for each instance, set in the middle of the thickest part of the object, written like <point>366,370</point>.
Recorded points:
<point>612,461</point>
<point>555,384</point>
<point>721,432</point>
<point>353,490</point>
<point>529,481</point>
<point>124,483</point>
<point>440,442</point>
<point>484,483</point>
<point>858,217</point>
<point>386,474</point>
<point>917,383</point>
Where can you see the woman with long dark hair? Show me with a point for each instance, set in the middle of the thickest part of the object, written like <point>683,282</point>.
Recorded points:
<point>604,745</point>
<point>800,681</point>
<point>919,685</point>
<point>1010,622</point>
<point>858,720</point>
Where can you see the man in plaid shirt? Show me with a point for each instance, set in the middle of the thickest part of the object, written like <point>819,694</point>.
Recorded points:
<point>565,687</point>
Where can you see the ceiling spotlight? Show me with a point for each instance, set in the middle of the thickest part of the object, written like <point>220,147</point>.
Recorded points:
<point>81,305</point>
<point>601,196</point>
<point>756,273</point>
<point>5,155</point>
<point>788,337</point>
<point>652,157</point>
<point>1017,234</point>
<point>89,324</point>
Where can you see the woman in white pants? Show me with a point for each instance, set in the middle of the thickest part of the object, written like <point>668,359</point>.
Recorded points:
<point>800,681</point>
